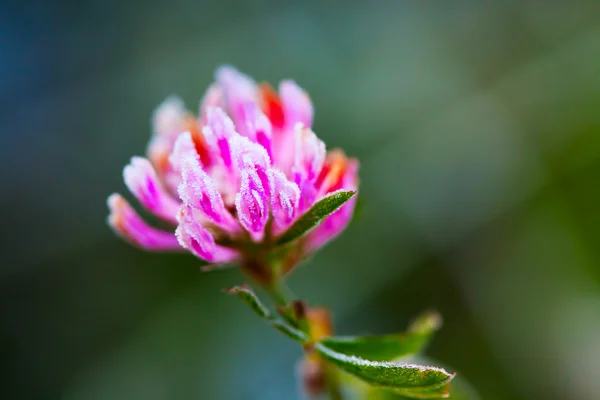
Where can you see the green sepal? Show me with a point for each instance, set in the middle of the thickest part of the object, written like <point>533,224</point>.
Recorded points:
<point>313,217</point>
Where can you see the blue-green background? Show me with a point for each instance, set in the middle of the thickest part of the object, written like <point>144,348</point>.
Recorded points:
<point>477,124</point>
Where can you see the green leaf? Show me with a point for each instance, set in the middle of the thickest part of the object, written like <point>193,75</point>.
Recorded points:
<point>247,296</point>
<point>289,330</point>
<point>459,390</point>
<point>416,381</point>
<point>313,217</point>
<point>389,347</point>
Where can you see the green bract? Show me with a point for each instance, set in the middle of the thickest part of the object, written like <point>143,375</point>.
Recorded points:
<point>317,213</point>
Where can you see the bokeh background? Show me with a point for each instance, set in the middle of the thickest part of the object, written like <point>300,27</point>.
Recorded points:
<point>478,128</point>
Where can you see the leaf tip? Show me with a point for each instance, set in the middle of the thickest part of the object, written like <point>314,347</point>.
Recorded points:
<point>236,289</point>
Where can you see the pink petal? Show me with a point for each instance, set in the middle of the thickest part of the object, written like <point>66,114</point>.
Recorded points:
<point>309,155</point>
<point>213,98</point>
<point>297,106</point>
<point>168,120</point>
<point>252,202</point>
<point>253,157</point>
<point>334,224</point>
<point>308,196</point>
<point>184,148</point>
<point>127,223</point>
<point>285,198</point>
<point>239,90</point>
<point>142,181</point>
<point>218,132</point>
<point>258,127</point>
<point>197,239</point>
<point>247,153</point>
<point>198,191</point>
<point>169,117</point>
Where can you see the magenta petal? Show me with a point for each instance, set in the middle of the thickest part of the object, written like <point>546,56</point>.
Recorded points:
<point>248,153</point>
<point>169,117</point>
<point>252,202</point>
<point>258,127</point>
<point>212,98</point>
<point>184,148</point>
<point>285,198</point>
<point>297,106</point>
<point>218,132</point>
<point>142,181</point>
<point>253,158</point>
<point>198,191</point>
<point>309,155</point>
<point>168,121</point>
<point>129,225</point>
<point>197,239</point>
<point>239,90</point>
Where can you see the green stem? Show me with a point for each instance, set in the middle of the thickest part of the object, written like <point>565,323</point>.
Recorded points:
<point>335,393</point>
<point>333,385</point>
<point>280,293</point>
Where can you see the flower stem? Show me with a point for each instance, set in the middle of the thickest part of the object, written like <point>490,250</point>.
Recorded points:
<point>333,385</point>
<point>280,293</point>
<point>335,393</point>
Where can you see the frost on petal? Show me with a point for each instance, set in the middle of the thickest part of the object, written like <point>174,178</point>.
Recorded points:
<point>309,155</point>
<point>247,153</point>
<point>218,132</point>
<point>142,181</point>
<point>198,191</point>
<point>252,157</point>
<point>238,90</point>
<point>184,148</point>
<point>197,239</point>
<point>285,197</point>
<point>258,127</point>
<point>129,225</point>
<point>252,203</point>
<point>297,107</point>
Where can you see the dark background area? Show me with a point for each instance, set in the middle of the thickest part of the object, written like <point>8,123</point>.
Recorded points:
<point>477,125</point>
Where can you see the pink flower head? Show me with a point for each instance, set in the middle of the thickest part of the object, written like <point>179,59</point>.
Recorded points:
<point>237,177</point>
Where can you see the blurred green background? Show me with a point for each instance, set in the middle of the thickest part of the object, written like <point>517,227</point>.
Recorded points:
<point>478,129</point>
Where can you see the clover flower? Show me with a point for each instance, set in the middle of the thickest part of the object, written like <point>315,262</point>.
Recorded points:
<point>247,181</point>
<point>237,177</point>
